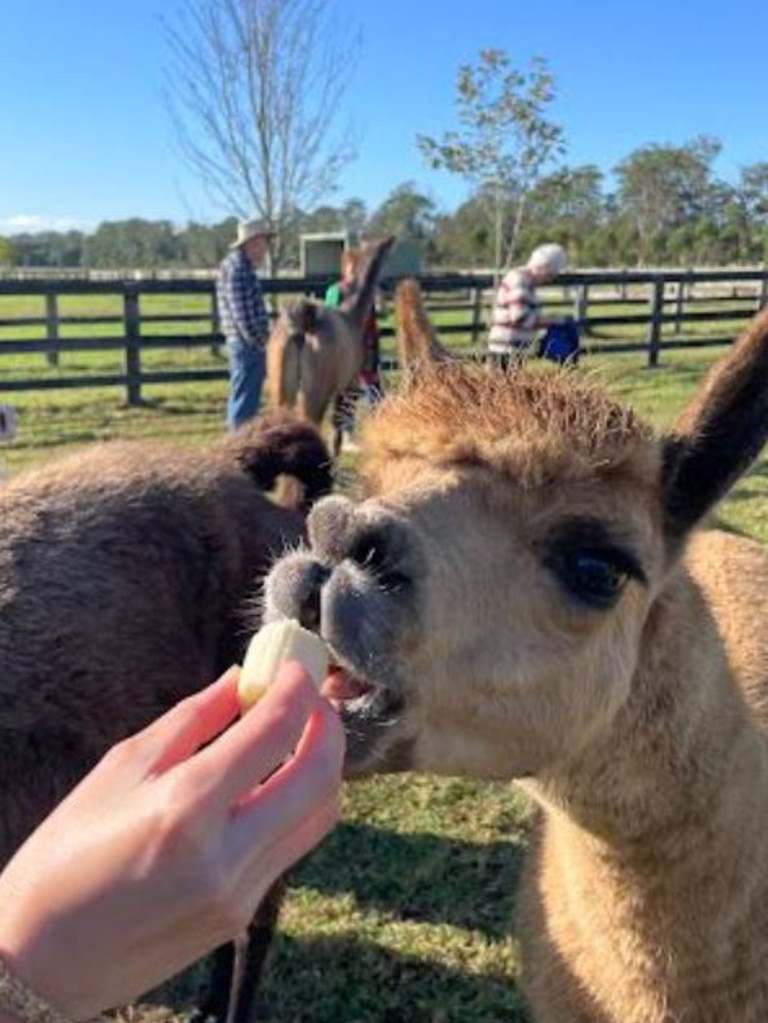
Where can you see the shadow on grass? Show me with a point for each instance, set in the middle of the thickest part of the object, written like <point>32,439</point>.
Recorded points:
<point>344,980</point>
<point>740,495</point>
<point>761,469</point>
<point>175,407</point>
<point>419,877</point>
<point>729,527</point>
<point>352,980</point>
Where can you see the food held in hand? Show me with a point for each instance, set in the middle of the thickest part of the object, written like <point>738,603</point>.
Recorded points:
<point>272,646</point>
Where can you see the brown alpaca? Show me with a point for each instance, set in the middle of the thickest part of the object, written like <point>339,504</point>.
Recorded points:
<point>126,574</point>
<point>315,352</point>
<point>526,594</point>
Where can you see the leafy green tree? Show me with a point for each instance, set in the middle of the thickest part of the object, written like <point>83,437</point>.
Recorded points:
<point>323,220</point>
<point>133,243</point>
<point>202,246</point>
<point>354,216</point>
<point>49,249</point>
<point>663,187</point>
<point>465,238</point>
<point>6,251</point>
<point>567,207</point>
<point>571,193</point>
<point>350,217</point>
<point>505,139</point>
<point>407,213</point>
<point>752,190</point>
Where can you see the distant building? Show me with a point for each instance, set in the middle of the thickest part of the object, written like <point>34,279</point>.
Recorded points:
<point>321,255</point>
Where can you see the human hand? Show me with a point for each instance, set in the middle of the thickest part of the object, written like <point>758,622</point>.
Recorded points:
<point>165,850</point>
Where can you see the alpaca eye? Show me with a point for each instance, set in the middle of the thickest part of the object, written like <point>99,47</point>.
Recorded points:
<point>595,578</point>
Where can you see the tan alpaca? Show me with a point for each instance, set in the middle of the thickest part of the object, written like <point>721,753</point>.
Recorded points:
<point>315,352</point>
<point>525,594</point>
<point>415,337</point>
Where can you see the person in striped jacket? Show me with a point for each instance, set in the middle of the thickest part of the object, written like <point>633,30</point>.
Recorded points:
<point>516,314</point>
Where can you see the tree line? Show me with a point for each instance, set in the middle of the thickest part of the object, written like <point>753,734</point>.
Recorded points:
<point>668,207</point>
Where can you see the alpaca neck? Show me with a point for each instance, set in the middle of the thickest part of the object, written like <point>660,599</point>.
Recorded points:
<point>647,891</point>
<point>358,305</point>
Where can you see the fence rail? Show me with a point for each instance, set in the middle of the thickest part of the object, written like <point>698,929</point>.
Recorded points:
<point>680,309</point>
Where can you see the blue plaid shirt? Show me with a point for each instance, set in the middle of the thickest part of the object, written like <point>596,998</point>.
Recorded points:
<point>241,303</point>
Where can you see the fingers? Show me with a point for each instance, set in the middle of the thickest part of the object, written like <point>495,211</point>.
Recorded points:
<point>305,784</point>
<point>262,740</point>
<point>180,732</point>
<point>260,872</point>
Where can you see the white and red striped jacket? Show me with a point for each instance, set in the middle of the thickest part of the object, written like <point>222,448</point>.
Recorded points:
<point>515,313</point>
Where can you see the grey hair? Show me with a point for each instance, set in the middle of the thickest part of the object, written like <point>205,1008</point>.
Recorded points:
<point>549,260</point>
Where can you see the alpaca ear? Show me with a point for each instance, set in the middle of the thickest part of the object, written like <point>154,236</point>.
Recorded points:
<point>720,432</point>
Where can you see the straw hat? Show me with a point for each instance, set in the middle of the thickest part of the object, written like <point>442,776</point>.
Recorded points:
<point>247,229</point>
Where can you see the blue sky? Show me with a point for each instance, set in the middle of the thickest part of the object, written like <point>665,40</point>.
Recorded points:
<point>85,137</point>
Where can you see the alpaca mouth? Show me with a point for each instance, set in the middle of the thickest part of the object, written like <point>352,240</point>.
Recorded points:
<point>352,694</point>
<point>343,689</point>
<point>368,709</point>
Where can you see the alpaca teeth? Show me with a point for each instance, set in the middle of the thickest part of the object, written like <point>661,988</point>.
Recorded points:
<point>272,646</point>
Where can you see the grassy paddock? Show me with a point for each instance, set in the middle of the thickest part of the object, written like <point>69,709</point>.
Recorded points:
<point>405,914</point>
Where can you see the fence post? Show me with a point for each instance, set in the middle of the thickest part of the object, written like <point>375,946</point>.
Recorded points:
<point>215,323</point>
<point>679,304</point>
<point>132,327</point>
<point>477,313</point>
<point>763,290</point>
<point>657,311</point>
<point>581,304</point>
<point>52,328</point>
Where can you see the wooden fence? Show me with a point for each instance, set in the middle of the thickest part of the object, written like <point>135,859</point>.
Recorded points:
<point>617,311</point>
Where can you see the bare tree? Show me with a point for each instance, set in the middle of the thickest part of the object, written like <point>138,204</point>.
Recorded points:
<point>254,91</point>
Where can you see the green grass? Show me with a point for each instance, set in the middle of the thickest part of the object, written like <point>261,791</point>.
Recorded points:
<point>405,912</point>
<point>59,420</point>
<point>404,915</point>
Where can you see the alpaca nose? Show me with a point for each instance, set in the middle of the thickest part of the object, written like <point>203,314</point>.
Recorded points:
<point>330,527</point>
<point>308,596</point>
<point>293,590</point>
<point>367,535</point>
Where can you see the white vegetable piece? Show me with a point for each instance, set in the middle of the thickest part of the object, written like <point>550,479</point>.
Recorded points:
<point>272,646</point>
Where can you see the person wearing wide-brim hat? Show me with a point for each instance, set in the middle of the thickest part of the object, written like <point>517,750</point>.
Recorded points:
<point>244,319</point>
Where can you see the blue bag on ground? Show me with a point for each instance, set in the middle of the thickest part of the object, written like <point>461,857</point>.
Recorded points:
<point>560,342</point>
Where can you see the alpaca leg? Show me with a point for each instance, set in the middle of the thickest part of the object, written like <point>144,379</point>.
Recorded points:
<point>343,417</point>
<point>336,426</point>
<point>252,952</point>
<point>238,966</point>
<point>216,997</point>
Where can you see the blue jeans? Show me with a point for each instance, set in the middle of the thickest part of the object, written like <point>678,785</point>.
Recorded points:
<point>247,369</point>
